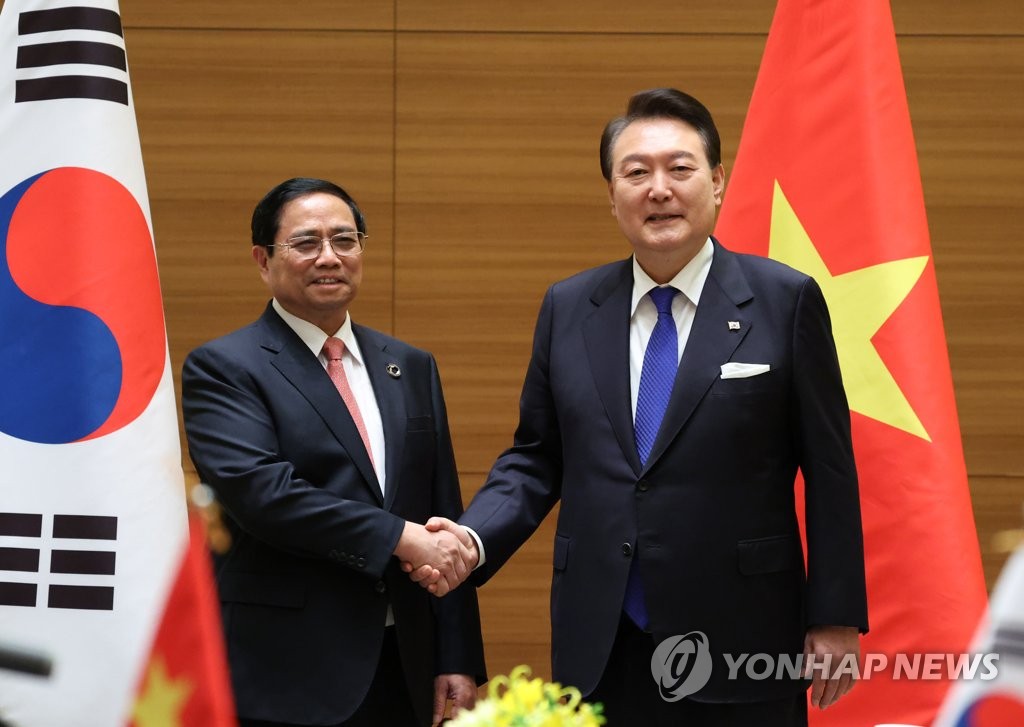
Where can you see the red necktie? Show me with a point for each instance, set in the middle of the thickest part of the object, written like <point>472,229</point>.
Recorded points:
<point>333,350</point>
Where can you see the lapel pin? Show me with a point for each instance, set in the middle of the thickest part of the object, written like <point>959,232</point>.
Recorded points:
<point>393,370</point>
<point>734,325</point>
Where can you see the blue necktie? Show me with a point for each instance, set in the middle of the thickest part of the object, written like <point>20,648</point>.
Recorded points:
<point>661,360</point>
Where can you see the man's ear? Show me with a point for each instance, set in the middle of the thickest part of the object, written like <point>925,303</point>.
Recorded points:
<point>718,182</point>
<point>262,259</point>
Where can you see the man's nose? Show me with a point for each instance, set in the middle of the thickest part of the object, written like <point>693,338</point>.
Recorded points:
<point>327,256</point>
<point>661,185</point>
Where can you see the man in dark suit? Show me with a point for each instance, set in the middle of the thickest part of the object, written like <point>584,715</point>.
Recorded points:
<point>327,444</point>
<point>669,402</point>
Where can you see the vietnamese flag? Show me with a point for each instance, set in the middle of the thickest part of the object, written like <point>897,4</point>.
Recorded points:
<point>826,181</point>
<point>185,683</point>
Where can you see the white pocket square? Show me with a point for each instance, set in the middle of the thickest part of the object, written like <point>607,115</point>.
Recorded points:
<point>733,370</point>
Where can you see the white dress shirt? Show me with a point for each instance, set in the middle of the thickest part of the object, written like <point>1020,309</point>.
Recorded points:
<point>358,381</point>
<point>644,314</point>
<point>358,378</point>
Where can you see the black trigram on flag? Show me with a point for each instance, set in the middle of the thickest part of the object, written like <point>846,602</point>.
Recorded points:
<point>34,53</point>
<point>1009,642</point>
<point>63,560</point>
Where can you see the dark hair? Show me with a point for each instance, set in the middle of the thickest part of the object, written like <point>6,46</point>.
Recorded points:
<point>663,103</point>
<point>266,218</point>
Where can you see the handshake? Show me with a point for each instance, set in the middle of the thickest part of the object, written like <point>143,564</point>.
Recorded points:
<point>439,555</point>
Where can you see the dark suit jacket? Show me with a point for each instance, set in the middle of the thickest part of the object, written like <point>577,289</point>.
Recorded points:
<point>306,584</point>
<point>711,516</point>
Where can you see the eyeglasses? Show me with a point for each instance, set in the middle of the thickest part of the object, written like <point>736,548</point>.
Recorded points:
<point>309,247</point>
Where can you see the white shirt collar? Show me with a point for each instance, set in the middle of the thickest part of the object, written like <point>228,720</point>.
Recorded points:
<point>689,281</point>
<point>314,338</point>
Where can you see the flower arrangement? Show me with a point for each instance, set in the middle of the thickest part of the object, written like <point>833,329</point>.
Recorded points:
<point>518,701</point>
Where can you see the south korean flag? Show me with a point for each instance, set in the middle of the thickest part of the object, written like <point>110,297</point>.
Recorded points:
<point>92,516</point>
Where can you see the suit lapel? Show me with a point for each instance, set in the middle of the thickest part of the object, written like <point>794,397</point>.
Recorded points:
<point>606,336</point>
<point>710,344</point>
<point>296,363</point>
<point>389,393</point>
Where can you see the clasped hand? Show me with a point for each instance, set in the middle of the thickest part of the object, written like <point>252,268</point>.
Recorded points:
<point>439,556</point>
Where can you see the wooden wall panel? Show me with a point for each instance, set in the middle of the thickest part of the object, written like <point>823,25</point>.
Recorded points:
<point>223,117</point>
<point>954,18</point>
<point>969,125</point>
<point>942,17</point>
<point>515,607</point>
<point>469,131</point>
<point>499,192</point>
<point>266,14</point>
<point>589,16</point>
<point>498,195</point>
<point>970,138</point>
<point>998,510</point>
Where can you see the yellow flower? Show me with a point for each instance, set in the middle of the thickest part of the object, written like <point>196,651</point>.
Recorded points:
<point>518,701</point>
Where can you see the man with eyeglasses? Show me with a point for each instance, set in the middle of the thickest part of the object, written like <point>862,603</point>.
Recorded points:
<point>327,444</point>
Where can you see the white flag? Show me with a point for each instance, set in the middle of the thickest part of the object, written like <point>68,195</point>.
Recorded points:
<point>995,697</point>
<point>92,517</point>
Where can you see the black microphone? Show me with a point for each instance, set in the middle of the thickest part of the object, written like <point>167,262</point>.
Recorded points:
<point>26,661</point>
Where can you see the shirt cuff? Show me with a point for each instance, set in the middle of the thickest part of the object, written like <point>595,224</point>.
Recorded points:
<point>479,545</point>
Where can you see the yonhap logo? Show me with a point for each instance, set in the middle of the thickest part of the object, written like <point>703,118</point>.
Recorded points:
<point>681,665</point>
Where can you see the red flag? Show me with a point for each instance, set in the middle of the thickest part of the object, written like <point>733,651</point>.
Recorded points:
<point>186,681</point>
<point>826,180</point>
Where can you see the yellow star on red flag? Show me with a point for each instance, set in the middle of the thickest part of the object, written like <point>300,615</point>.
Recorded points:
<point>163,698</point>
<point>860,302</point>
<point>828,121</point>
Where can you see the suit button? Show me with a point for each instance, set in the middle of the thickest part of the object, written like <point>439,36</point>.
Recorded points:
<point>380,586</point>
<point>627,549</point>
<point>361,562</point>
<point>642,486</point>
<point>334,555</point>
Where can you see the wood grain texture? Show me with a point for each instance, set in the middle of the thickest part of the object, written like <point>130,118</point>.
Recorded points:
<point>469,132</point>
<point>970,135</point>
<point>266,14</point>
<point>224,116</point>
<point>515,607</point>
<point>590,16</point>
<point>957,19</point>
<point>997,509</point>
<point>499,192</point>
<point>933,17</point>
